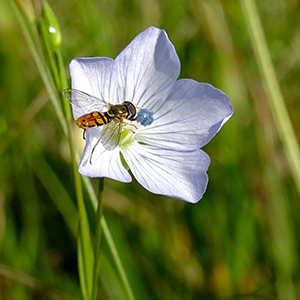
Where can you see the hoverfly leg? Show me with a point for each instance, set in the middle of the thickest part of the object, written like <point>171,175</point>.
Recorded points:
<point>94,150</point>
<point>128,124</point>
<point>83,134</point>
<point>134,126</point>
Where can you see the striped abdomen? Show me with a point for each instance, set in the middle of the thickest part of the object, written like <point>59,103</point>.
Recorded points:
<point>93,119</point>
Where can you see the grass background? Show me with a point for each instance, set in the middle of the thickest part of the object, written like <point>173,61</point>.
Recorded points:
<point>241,241</point>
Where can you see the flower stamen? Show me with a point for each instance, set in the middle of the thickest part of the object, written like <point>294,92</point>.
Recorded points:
<point>145,117</point>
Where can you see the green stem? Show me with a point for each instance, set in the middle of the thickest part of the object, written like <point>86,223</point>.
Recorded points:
<point>85,252</point>
<point>52,65</point>
<point>31,35</point>
<point>275,97</point>
<point>98,240</point>
<point>85,249</point>
<point>85,246</point>
<point>110,241</point>
<point>64,83</point>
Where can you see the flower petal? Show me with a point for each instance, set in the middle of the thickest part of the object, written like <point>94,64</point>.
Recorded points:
<point>187,117</point>
<point>171,173</point>
<point>104,163</point>
<point>146,68</point>
<point>91,75</point>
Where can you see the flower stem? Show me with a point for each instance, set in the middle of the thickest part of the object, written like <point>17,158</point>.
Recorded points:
<point>98,240</point>
<point>110,242</point>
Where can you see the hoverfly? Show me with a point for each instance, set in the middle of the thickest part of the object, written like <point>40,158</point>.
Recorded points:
<point>100,113</point>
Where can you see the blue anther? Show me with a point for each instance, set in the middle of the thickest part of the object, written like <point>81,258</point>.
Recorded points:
<point>145,117</point>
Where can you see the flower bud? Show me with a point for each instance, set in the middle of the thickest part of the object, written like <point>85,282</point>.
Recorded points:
<point>50,27</point>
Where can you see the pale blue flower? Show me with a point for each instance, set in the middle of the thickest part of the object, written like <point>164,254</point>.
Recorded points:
<point>175,117</point>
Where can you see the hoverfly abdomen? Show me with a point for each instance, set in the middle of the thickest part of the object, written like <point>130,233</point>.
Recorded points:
<point>93,119</point>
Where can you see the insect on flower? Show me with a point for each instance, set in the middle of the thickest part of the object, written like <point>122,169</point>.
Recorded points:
<point>159,133</point>
<point>102,114</point>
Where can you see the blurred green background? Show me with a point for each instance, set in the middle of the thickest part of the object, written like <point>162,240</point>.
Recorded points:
<point>241,241</point>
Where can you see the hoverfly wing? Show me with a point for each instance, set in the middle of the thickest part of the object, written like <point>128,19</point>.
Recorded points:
<point>111,134</point>
<point>84,103</point>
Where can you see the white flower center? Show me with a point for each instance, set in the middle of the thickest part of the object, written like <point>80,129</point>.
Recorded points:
<point>126,137</point>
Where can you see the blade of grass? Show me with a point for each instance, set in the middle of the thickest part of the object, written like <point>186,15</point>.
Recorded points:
<point>282,240</point>
<point>275,96</point>
<point>117,259</point>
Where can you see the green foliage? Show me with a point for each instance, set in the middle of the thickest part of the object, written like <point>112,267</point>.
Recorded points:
<point>241,241</point>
